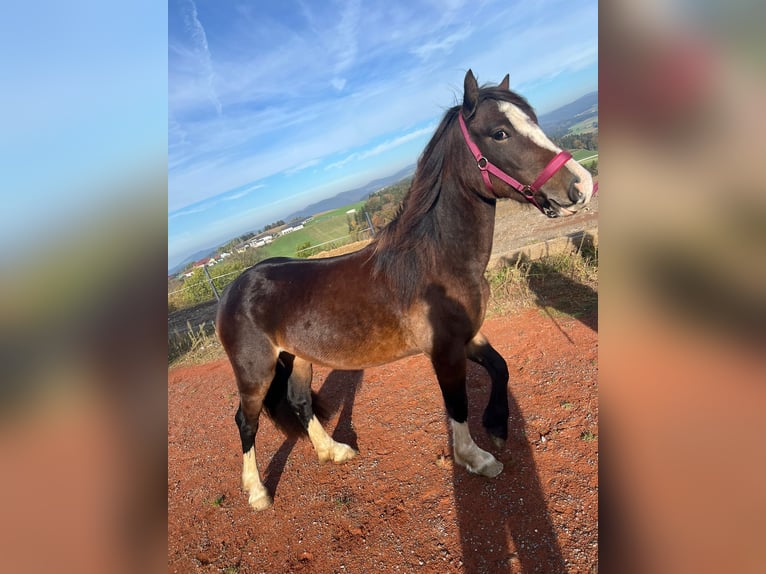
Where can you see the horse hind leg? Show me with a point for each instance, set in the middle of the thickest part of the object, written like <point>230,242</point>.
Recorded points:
<point>299,397</point>
<point>258,496</point>
<point>254,378</point>
<point>495,419</point>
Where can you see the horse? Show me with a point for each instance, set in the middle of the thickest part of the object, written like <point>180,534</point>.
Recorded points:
<point>418,287</point>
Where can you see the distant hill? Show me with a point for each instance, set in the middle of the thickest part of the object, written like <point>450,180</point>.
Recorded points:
<point>559,121</point>
<point>353,195</point>
<point>209,252</point>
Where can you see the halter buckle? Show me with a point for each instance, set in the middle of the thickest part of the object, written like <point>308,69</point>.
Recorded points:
<point>482,163</point>
<point>527,192</point>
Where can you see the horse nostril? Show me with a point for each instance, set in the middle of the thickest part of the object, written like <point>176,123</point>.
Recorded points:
<point>574,193</point>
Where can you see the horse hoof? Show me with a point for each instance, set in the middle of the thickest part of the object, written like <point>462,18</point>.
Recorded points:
<point>260,501</point>
<point>338,453</point>
<point>491,469</point>
<point>342,452</point>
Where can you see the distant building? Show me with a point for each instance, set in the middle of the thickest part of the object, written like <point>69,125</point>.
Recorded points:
<point>287,230</point>
<point>261,241</point>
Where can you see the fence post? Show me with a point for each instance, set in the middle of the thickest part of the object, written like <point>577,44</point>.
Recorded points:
<point>209,280</point>
<point>372,229</point>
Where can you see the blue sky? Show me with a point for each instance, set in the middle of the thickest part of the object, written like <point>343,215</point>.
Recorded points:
<point>272,106</point>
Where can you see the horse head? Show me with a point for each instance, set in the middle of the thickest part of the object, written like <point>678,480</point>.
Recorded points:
<point>502,133</point>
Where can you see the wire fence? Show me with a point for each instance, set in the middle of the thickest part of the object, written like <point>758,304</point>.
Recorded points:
<point>239,271</point>
<point>310,247</point>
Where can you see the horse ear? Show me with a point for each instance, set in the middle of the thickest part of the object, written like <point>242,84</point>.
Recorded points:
<point>470,94</point>
<point>505,84</point>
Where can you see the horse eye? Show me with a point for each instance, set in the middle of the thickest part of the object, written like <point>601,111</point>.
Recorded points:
<point>500,135</point>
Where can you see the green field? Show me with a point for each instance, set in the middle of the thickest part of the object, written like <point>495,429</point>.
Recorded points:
<point>589,125</point>
<point>581,154</point>
<point>328,226</point>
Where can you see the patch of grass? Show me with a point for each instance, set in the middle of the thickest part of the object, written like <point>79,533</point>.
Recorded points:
<point>566,405</point>
<point>509,287</point>
<point>588,436</point>
<point>581,154</point>
<point>581,266</point>
<point>193,346</point>
<point>561,285</point>
<point>219,501</point>
<point>343,501</point>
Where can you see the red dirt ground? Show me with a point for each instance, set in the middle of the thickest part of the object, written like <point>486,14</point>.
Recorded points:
<point>400,505</point>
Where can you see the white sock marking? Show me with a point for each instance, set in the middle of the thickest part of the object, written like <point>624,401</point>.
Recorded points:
<point>251,481</point>
<point>325,447</point>
<point>250,474</point>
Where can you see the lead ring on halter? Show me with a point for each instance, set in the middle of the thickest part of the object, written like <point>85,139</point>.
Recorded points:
<point>528,191</point>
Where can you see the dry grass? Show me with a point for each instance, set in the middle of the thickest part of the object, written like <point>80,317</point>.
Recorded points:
<point>194,346</point>
<point>349,248</point>
<point>565,283</point>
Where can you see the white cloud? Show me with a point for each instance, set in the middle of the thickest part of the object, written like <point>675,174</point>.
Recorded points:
<point>188,211</point>
<point>396,142</point>
<point>345,43</point>
<point>381,148</point>
<point>338,83</point>
<point>243,192</point>
<point>301,167</point>
<point>201,50</point>
<point>443,45</point>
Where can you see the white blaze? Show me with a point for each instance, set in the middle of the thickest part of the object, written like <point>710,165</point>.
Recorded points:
<point>524,125</point>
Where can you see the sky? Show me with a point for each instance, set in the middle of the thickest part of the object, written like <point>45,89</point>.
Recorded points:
<point>273,106</point>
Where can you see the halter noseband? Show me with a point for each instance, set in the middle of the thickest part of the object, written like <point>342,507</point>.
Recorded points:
<point>528,191</point>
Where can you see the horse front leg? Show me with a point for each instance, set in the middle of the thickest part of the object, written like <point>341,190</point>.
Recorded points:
<point>450,368</point>
<point>495,419</point>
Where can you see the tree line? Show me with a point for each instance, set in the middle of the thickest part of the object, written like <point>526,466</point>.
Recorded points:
<point>383,205</point>
<point>587,140</point>
<point>183,293</point>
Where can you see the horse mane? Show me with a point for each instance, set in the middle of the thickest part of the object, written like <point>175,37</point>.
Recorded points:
<point>409,243</point>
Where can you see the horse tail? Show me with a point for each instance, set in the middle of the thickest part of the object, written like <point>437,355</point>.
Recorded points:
<point>280,410</point>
